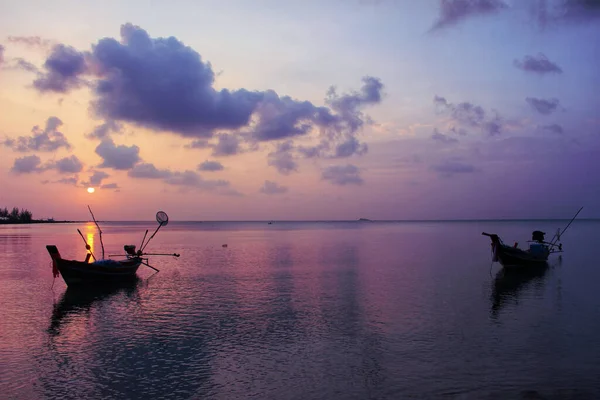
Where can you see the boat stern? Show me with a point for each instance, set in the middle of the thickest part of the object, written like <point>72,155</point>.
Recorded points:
<point>55,255</point>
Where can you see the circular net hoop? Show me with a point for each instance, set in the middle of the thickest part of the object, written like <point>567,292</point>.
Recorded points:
<point>162,218</point>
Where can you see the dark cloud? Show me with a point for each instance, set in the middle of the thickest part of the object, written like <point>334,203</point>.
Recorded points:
<point>67,165</point>
<point>117,157</point>
<point>1,54</point>
<point>210,166</point>
<point>538,64</point>
<point>543,106</point>
<point>553,12</point>
<point>452,167</point>
<point>97,177</point>
<point>283,159</point>
<point>441,138</point>
<point>32,163</point>
<point>273,188</point>
<point>553,128</point>
<point>110,186</point>
<point>49,139</point>
<point>164,85</point>
<point>200,144</point>
<point>104,130</point>
<point>227,145</point>
<point>63,70</point>
<point>148,171</point>
<point>470,115</point>
<point>73,180</point>
<point>342,175</point>
<point>26,165</point>
<point>31,41</point>
<point>161,84</point>
<point>454,11</point>
<point>186,178</point>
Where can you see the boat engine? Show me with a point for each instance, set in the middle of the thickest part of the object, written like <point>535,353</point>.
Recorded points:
<point>129,249</point>
<point>537,236</point>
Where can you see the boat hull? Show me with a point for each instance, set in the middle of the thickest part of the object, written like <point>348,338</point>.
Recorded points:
<point>79,273</point>
<point>510,257</point>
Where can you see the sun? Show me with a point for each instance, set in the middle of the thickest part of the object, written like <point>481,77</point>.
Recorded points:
<point>91,190</point>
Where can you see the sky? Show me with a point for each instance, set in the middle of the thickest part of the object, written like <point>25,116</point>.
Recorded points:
<point>301,110</point>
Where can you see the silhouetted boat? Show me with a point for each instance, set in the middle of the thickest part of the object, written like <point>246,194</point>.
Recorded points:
<point>536,255</point>
<point>105,270</point>
<point>512,256</point>
<point>99,271</point>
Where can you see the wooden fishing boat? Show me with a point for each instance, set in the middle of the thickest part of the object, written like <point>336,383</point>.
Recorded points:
<point>109,270</point>
<point>535,256</point>
<point>512,256</point>
<point>100,271</point>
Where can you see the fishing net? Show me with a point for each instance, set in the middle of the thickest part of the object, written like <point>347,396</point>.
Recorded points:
<point>162,218</point>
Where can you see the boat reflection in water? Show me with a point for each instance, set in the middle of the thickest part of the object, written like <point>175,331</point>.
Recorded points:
<point>80,300</point>
<point>509,284</point>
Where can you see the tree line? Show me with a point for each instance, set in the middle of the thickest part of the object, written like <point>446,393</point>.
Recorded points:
<point>15,216</point>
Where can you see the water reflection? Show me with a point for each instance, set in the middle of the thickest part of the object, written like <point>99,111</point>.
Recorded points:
<point>510,284</point>
<point>76,301</point>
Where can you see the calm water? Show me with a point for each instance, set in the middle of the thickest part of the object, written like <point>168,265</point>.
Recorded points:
<point>302,311</point>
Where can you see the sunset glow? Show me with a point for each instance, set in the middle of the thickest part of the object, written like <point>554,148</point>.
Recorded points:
<point>398,110</point>
<point>91,190</point>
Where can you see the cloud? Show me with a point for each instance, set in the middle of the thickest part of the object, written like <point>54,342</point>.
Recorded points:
<point>545,107</point>
<point>148,171</point>
<point>161,84</point>
<point>470,115</point>
<point>441,138</point>
<point>553,128</point>
<point>282,158</point>
<point>349,147</point>
<point>273,188</point>
<point>49,139</point>
<point>32,163</point>
<point>117,157</point>
<point>63,69</point>
<point>164,85</point>
<point>539,65</point>
<point>199,144</point>
<point>185,179</point>
<point>67,165</point>
<point>210,166</point>
<point>73,180</point>
<point>26,165</point>
<point>31,41</point>
<point>110,186</point>
<point>452,167</point>
<point>553,12</point>
<point>97,177</point>
<point>1,54</point>
<point>103,131</point>
<point>455,11</point>
<point>25,65</point>
<point>227,145</point>
<point>342,175</point>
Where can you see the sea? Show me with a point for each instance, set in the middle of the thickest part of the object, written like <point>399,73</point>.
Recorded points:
<point>302,310</point>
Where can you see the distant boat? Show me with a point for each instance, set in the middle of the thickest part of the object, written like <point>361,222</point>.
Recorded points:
<point>364,220</point>
<point>105,270</point>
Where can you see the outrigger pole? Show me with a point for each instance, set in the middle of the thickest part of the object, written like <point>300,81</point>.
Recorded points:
<point>558,234</point>
<point>87,246</point>
<point>99,230</point>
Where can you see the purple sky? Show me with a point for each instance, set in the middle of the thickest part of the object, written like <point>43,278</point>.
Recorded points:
<point>311,110</point>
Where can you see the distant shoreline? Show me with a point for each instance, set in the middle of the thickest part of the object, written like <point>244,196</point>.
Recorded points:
<point>40,222</point>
